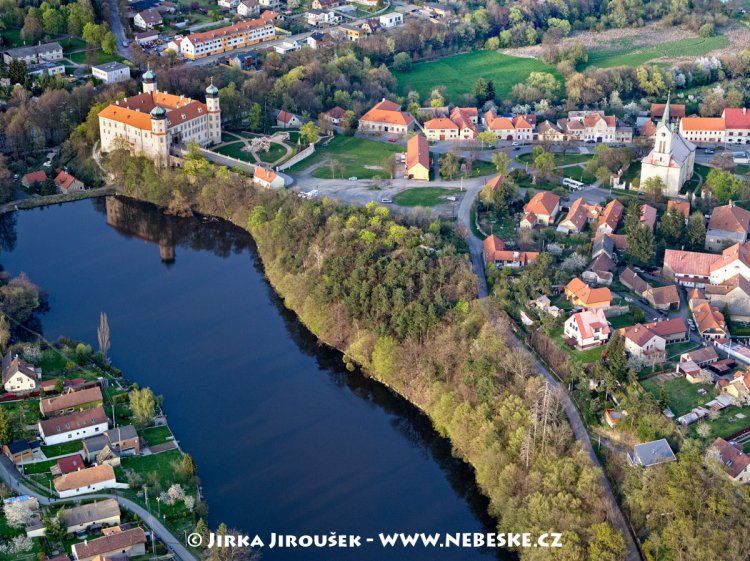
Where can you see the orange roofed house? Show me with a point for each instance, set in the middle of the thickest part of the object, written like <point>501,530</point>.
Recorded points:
<point>541,209</point>
<point>588,328</point>
<point>268,178</point>
<point>461,125</point>
<point>519,128</point>
<point>729,224</point>
<point>418,158</point>
<point>154,122</point>
<point>66,183</point>
<point>386,116</point>
<point>610,218</point>
<point>229,38</point>
<point>580,294</point>
<point>579,214</point>
<point>495,252</point>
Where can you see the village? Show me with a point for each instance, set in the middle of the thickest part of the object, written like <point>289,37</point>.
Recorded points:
<point>77,431</point>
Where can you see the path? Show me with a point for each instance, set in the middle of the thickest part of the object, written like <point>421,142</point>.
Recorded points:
<point>11,476</point>
<point>616,517</point>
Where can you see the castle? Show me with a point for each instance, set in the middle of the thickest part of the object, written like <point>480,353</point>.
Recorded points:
<point>154,122</point>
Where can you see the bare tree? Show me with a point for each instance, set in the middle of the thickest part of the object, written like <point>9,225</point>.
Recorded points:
<point>103,335</point>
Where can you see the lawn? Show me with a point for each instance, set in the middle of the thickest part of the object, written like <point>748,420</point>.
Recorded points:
<point>276,151</point>
<point>727,424</point>
<point>459,72</point>
<point>72,44</point>
<point>159,464</point>
<point>633,171</point>
<point>63,449</point>
<point>359,157</point>
<point>52,360</point>
<point>618,322</point>
<point>156,435</point>
<point>28,408</point>
<point>39,467</point>
<point>700,172</point>
<point>423,196</point>
<point>234,150</point>
<point>681,395</point>
<point>12,37</point>
<point>481,168</point>
<point>577,173</point>
<point>588,356</point>
<point>96,57</point>
<point>677,349</point>
<point>560,159</point>
<point>634,55</point>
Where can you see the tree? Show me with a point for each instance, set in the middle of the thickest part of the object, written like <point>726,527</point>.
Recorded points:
<point>544,164</point>
<point>18,513</point>
<point>672,227</point>
<point>448,165</point>
<point>109,43</point>
<point>502,162</point>
<point>201,528</point>
<point>17,71</point>
<point>309,132</point>
<point>93,34</point>
<point>725,186</point>
<point>54,529</point>
<point>402,62</point>
<point>641,245</point>
<point>188,465</point>
<point>143,405</point>
<point>53,22</point>
<point>7,426</point>
<point>103,335</point>
<point>488,138</point>
<point>255,117</point>
<point>632,217</point>
<point>32,29</point>
<point>696,230</point>
<point>606,543</point>
<point>654,187</point>
<point>390,165</point>
<point>19,298</point>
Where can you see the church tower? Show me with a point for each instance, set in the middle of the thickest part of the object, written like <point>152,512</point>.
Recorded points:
<point>214,114</point>
<point>159,136</point>
<point>149,81</point>
<point>663,141</point>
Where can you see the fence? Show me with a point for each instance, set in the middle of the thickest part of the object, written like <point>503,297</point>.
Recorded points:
<point>309,151</point>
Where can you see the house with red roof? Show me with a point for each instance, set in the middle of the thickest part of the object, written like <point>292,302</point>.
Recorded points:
<point>648,216</point>
<point>589,126</point>
<point>676,110</point>
<point>644,344</point>
<point>541,209</point>
<point>335,115</point>
<point>581,294</point>
<point>729,224</point>
<point>580,213</point>
<point>265,177</point>
<point>30,179</point>
<point>703,129</point>
<point>683,207</point>
<point>496,252</point>
<point>586,329</point>
<point>610,217</point>
<point>733,460</point>
<point>502,127</point>
<point>287,120</point>
<point>737,125</point>
<point>68,464</point>
<point>418,158</point>
<point>386,117</point>
<point>66,183</point>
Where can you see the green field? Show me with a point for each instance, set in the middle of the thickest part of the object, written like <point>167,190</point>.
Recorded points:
<point>95,57</point>
<point>63,449</point>
<point>560,159</point>
<point>234,150</point>
<point>423,196</point>
<point>274,153</point>
<point>727,423</point>
<point>156,435</point>
<point>681,395</point>
<point>577,173</point>
<point>359,157</point>
<point>633,55</point>
<point>459,72</point>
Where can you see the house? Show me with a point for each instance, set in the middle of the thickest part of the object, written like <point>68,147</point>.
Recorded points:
<point>68,384</point>
<point>89,480</point>
<point>502,127</point>
<point>18,451</point>
<point>335,116</point>
<point>239,35</point>
<point>647,129</point>
<point>71,401</point>
<point>592,126</point>
<point>588,328</point>
<point>673,330</point>
<point>96,514</point>
<point>242,61</point>
<point>352,32</point>
<point>701,357</point>
<point>370,26</point>
<point>125,543</point>
<point>248,8</point>
<point>73,426</point>
<point>688,268</point>
<point>147,19</point>
<point>662,297</point>
<point>111,72</point>
<point>610,217</point>
<point>580,294</point>
<point>734,260</point>
<point>524,128</point>
<point>709,321</point>
<point>733,293</point>
<point>321,17</point>
<point>265,177</point>
<point>631,280</point>
<point>651,453</point>
<point>460,125</point>
<point>683,207</point>
<point>648,216</point>
<point>736,125</point>
<point>418,158</point>
<point>146,37</point>
<point>318,40</point>
<point>287,47</point>
<point>35,177</point>
<point>324,4</point>
<point>602,245</point>
<point>495,252</point>
<point>738,387</point>
<point>66,183</point>
<point>676,111</point>
<point>287,120</point>
<point>94,446</point>
<point>672,158</point>
<point>729,225</point>
<point>436,9</point>
<point>542,209</point>
<point>550,132</point>
<point>45,67</point>
<point>392,19</point>
<point>703,129</point>
<point>68,464</point>
<point>579,214</point>
<point>644,344</point>
<point>18,375</point>
<point>35,53</point>
<point>229,4</point>
<point>735,462</point>
<point>124,441</point>
<point>600,270</point>
<point>386,117</point>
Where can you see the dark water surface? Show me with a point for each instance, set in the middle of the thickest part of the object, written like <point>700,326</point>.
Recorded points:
<point>285,439</point>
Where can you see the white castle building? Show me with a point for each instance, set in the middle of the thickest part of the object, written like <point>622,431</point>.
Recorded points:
<point>672,158</point>
<point>154,122</point>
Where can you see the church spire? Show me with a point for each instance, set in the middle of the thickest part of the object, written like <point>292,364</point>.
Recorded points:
<point>665,116</point>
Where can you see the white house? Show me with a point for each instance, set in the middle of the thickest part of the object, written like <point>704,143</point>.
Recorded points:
<point>147,19</point>
<point>89,480</point>
<point>229,4</point>
<point>18,375</point>
<point>644,344</point>
<point>268,178</point>
<point>588,328</point>
<point>111,72</point>
<point>394,19</point>
<point>248,8</point>
<point>74,426</point>
<point>735,462</point>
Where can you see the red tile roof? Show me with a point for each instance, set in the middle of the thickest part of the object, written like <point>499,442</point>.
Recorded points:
<point>736,118</point>
<point>589,297</point>
<point>702,124</point>
<point>735,461</point>
<point>70,464</point>
<point>441,123</point>
<point>34,177</point>
<point>681,206</point>
<point>543,203</point>
<point>676,110</point>
<point>386,111</point>
<point>730,218</point>
<point>612,214</point>
<point>84,478</point>
<point>417,152</point>
<point>589,320</point>
<point>64,180</point>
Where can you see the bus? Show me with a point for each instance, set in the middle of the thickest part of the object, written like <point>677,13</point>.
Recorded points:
<point>572,184</point>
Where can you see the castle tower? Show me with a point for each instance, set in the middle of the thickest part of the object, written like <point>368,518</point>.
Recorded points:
<point>214,114</point>
<point>149,81</point>
<point>159,136</point>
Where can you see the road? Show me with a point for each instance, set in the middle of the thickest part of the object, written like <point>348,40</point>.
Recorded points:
<point>10,475</point>
<point>115,24</point>
<point>616,516</point>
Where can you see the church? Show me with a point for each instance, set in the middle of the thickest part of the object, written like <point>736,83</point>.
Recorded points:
<point>672,158</point>
<point>153,122</point>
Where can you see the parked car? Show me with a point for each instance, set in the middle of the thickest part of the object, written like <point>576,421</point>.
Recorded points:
<point>391,140</point>
<point>514,143</point>
<point>353,178</point>
<point>709,151</point>
<point>386,201</point>
<point>452,198</point>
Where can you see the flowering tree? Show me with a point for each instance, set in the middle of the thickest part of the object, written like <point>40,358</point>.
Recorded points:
<point>18,513</point>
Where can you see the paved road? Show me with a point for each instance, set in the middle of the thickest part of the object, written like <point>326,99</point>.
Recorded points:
<point>115,24</point>
<point>11,476</point>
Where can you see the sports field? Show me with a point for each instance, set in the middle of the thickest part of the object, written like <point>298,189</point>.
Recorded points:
<point>633,55</point>
<point>459,72</point>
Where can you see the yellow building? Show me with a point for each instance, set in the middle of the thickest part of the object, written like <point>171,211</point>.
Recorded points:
<point>418,158</point>
<point>237,36</point>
